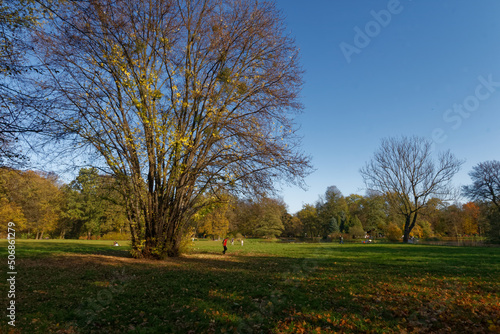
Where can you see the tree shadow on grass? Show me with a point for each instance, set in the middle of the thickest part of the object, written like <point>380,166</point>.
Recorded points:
<point>200,292</point>
<point>89,292</point>
<point>41,248</point>
<point>413,259</point>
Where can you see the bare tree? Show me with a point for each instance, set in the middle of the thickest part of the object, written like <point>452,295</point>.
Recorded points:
<point>404,170</point>
<point>485,183</point>
<point>179,99</point>
<point>485,188</point>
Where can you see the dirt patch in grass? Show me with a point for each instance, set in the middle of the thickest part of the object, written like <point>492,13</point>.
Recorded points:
<point>70,260</point>
<point>65,261</point>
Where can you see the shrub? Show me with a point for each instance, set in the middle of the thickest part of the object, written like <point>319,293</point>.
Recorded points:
<point>187,244</point>
<point>357,231</point>
<point>393,232</point>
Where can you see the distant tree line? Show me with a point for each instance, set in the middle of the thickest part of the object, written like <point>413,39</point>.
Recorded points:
<point>41,206</point>
<point>255,217</point>
<point>357,216</point>
<point>90,207</point>
<point>408,196</point>
<point>418,205</point>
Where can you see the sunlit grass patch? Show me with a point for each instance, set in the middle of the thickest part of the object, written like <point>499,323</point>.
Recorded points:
<point>269,287</point>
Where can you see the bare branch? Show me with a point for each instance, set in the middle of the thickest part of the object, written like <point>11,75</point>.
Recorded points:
<point>404,171</point>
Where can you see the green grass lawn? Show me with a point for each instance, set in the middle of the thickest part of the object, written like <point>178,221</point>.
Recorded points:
<point>75,286</point>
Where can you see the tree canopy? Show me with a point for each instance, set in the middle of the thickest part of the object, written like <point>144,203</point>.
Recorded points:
<point>177,98</point>
<point>485,183</point>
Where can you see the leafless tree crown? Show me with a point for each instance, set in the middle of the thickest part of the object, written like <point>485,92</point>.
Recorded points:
<point>405,171</point>
<point>485,182</point>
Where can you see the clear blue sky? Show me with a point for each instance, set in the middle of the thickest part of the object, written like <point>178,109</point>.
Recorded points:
<point>418,68</point>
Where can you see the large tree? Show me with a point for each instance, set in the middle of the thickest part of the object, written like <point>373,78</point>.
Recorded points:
<point>177,98</point>
<point>293,227</point>
<point>372,212</point>
<point>485,188</point>
<point>485,183</point>
<point>331,206</point>
<point>270,211</point>
<point>92,206</point>
<point>405,171</point>
<point>261,216</point>
<point>212,220</point>
<point>37,194</point>
<point>308,216</point>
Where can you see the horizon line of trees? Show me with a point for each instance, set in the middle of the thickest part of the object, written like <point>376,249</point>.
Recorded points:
<point>89,207</point>
<point>41,206</point>
<point>372,215</point>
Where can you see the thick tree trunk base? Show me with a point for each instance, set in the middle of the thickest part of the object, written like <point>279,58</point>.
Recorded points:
<point>155,252</point>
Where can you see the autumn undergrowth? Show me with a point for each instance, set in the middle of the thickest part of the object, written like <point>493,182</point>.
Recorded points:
<point>75,286</point>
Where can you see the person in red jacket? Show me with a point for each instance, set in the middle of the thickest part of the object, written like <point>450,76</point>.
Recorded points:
<point>224,243</point>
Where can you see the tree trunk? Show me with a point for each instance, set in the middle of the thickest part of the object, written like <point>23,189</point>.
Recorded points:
<point>409,225</point>
<point>149,249</point>
<point>175,246</point>
<point>160,239</point>
<point>173,238</point>
<point>406,232</point>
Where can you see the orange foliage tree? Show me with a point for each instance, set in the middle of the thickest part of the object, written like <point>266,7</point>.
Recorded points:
<point>472,214</point>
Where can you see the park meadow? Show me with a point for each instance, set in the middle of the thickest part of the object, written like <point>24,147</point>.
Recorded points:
<point>80,286</point>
